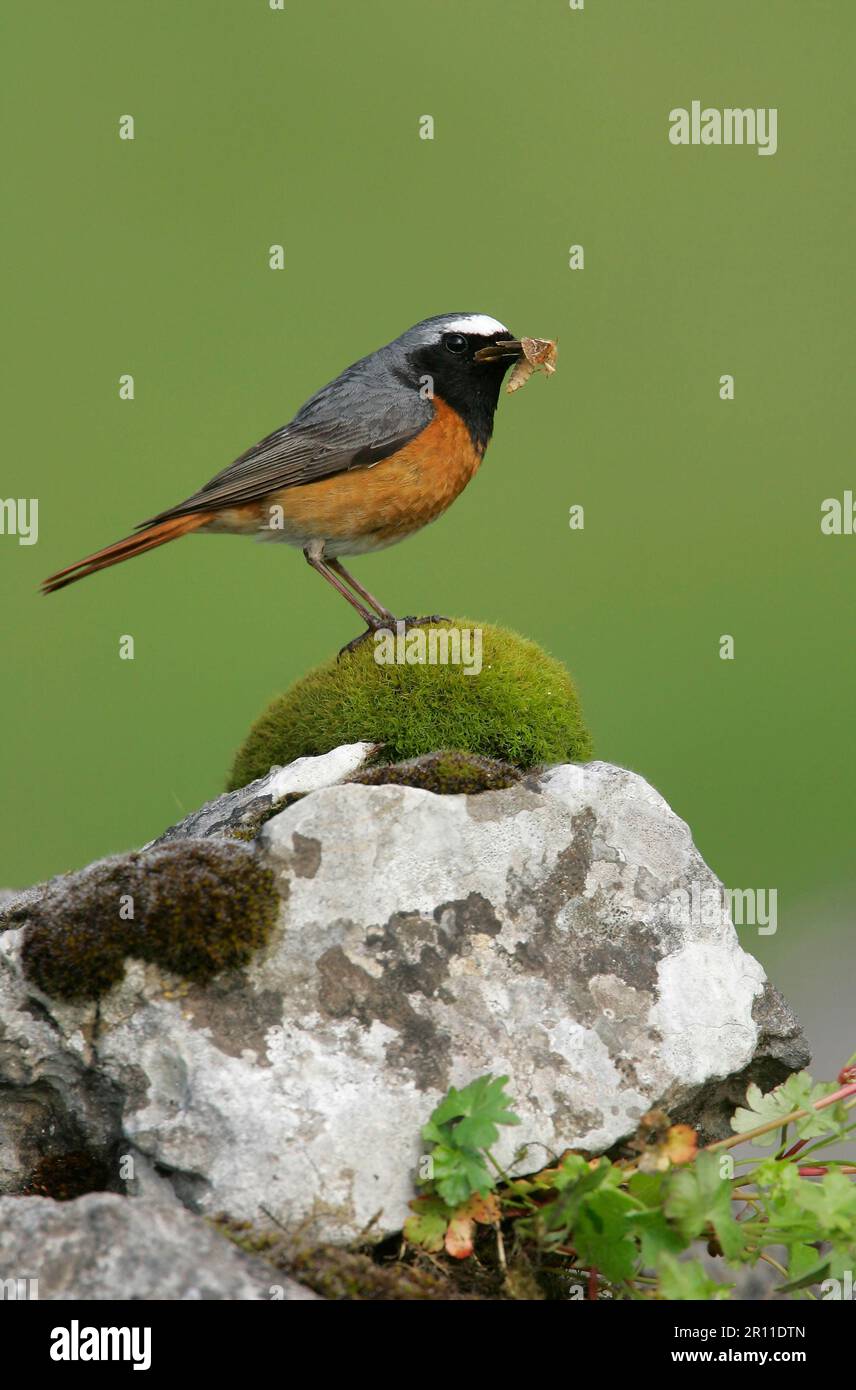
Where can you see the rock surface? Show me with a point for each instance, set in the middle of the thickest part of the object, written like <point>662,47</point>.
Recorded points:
<point>544,931</point>
<point>243,809</point>
<point>107,1247</point>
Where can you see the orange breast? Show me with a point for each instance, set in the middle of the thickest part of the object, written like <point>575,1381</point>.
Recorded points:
<point>369,508</point>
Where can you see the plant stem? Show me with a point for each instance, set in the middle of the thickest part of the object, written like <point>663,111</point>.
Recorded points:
<point>780,1121</point>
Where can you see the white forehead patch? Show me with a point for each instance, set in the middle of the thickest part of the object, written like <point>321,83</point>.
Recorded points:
<point>481,324</point>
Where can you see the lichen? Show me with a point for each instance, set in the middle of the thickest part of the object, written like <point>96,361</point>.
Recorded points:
<point>195,907</point>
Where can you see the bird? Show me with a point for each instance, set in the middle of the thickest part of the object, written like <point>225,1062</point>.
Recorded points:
<point>371,458</point>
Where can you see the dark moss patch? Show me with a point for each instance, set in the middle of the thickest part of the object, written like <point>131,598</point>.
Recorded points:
<point>195,907</point>
<point>250,826</point>
<point>449,772</point>
<point>388,1271</point>
<point>76,940</point>
<point>341,1274</point>
<point>344,1274</point>
<point>66,1176</point>
<point>206,910</point>
<point>520,707</point>
<point>56,1156</point>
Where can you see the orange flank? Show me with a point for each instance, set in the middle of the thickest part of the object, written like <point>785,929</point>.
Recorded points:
<point>369,508</point>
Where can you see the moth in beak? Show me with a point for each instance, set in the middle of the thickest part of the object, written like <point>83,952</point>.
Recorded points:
<point>529,354</point>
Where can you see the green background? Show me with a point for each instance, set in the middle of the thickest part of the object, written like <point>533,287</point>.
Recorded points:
<point>702,517</point>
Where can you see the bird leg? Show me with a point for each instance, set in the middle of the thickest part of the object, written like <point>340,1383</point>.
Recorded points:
<point>358,589</point>
<point>329,569</point>
<point>404,624</point>
<point>313,558</point>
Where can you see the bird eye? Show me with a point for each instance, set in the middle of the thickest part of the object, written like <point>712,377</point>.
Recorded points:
<point>455,342</point>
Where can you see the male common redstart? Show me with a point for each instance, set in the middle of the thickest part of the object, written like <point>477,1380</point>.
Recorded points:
<point>372,457</point>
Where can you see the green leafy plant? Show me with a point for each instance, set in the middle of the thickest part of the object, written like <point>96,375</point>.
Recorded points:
<point>460,1184</point>
<point>636,1223</point>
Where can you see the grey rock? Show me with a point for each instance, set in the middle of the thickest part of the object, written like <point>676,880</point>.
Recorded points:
<point>244,808</point>
<point>52,1103</point>
<point>108,1247</point>
<point>545,931</point>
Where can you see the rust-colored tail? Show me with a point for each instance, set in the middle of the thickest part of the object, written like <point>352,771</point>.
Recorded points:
<point>114,554</point>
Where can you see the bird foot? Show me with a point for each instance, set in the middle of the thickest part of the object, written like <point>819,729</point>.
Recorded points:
<point>374,625</point>
<point>424,622</point>
<point>389,624</point>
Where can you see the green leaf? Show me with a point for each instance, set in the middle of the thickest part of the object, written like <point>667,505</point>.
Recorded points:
<point>601,1236</point>
<point>685,1280</point>
<point>697,1197</point>
<point>470,1117</point>
<point>571,1168</point>
<point>803,1259</point>
<point>802,1210</point>
<point>464,1123</point>
<point>433,1134</point>
<point>561,1215</point>
<point>799,1092</point>
<point>832,1202</point>
<point>427,1226</point>
<point>656,1237</point>
<point>648,1188</point>
<point>805,1268</point>
<point>458,1173</point>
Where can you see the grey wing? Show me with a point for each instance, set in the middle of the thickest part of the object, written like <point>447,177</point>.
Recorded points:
<point>346,425</point>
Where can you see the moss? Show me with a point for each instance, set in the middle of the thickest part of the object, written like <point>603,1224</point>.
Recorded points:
<point>249,828</point>
<point>76,941</point>
<point>206,909</point>
<point>67,1176</point>
<point>343,1274</point>
<point>391,1271</point>
<point>449,772</point>
<point>199,907</point>
<point>249,1238</point>
<point>338,1273</point>
<point>521,708</point>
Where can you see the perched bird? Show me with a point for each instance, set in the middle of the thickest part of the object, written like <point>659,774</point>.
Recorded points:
<point>372,457</point>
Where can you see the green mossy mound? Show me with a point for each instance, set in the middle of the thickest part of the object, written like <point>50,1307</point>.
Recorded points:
<point>521,708</point>
<point>199,907</point>
<point>447,773</point>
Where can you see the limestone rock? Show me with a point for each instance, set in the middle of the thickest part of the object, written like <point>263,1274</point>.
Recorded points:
<point>107,1247</point>
<point>544,931</point>
<point>244,809</point>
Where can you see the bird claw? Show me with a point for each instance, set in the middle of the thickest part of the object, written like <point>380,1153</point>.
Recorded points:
<point>376,625</point>
<point>424,622</point>
<point>389,625</point>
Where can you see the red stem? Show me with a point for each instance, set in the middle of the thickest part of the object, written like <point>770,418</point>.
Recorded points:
<point>795,1148</point>
<point>810,1171</point>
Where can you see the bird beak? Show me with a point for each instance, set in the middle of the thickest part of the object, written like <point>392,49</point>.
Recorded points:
<point>510,348</point>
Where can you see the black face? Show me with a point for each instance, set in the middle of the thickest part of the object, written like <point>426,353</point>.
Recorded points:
<point>469,386</point>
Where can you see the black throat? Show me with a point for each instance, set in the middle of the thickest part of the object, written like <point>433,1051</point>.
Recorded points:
<point>470,388</point>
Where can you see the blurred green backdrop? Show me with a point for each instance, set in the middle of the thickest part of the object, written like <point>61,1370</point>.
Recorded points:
<point>300,127</point>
